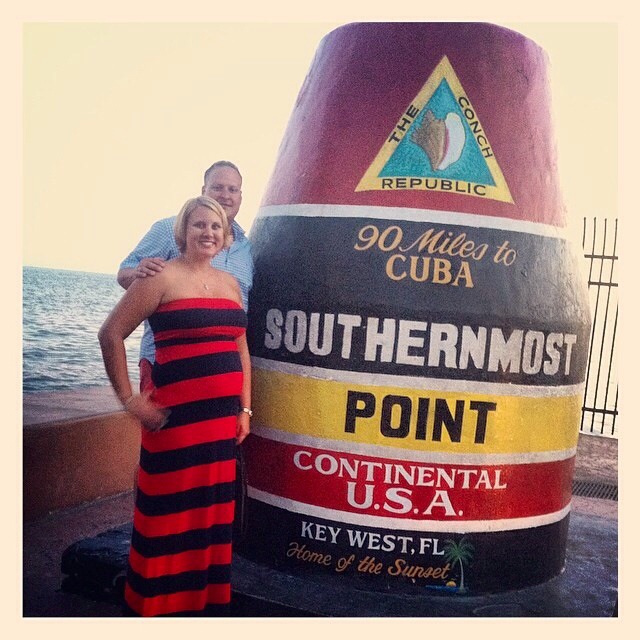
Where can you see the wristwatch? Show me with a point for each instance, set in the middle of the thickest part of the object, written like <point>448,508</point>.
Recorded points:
<point>247,410</point>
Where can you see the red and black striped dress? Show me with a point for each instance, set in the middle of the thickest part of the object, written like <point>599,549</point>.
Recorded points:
<point>180,557</point>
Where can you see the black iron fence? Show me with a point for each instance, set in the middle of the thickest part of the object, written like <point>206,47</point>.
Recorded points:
<point>600,403</point>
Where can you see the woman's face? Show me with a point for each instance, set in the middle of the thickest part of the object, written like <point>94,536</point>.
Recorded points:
<point>204,232</point>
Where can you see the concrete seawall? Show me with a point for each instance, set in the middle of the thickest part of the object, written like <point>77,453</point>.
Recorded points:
<point>78,446</point>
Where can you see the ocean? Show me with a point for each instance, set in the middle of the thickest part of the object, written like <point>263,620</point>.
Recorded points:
<point>62,312</point>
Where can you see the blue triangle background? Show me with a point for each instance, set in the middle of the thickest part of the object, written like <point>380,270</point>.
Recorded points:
<point>410,160</point>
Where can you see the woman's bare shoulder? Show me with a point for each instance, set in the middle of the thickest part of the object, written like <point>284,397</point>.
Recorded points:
<point>231,284</point>
<point>172,268</point>
<point>156,284</point>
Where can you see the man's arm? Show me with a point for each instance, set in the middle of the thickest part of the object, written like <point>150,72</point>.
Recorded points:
<point>149,256</point>
<point>147,267</point>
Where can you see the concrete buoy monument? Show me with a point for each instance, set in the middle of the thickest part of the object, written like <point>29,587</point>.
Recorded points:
<point>418,327</point>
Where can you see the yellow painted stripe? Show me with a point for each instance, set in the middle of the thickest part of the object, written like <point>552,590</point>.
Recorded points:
<point>317,408</point>
<point>435,384</point>
<point>410,456</point>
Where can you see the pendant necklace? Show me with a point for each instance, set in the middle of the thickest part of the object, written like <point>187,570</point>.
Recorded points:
<point>205,285</point>
<point>197,275</point>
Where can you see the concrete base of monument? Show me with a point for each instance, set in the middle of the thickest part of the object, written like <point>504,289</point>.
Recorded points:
<point>588,586</point>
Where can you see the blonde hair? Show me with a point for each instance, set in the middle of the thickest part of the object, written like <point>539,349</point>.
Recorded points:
<point>180,226</point>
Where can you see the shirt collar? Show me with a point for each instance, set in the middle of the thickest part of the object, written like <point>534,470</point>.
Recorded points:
<point>238,231</point>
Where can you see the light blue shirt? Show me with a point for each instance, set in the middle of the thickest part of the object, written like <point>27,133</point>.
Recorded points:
<point>159,242</point>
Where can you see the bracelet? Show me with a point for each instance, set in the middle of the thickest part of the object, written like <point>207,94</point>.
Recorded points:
<point>247,410</point>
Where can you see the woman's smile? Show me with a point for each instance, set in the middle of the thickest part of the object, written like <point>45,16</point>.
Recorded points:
<point>204,231</point>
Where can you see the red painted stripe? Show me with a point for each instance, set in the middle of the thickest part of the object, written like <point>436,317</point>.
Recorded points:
<point>194,389</point>
<point>201,518</point>
<point>176,602</point>
<point>197,303</point>
<point>175,481</point>
<point>178,352</point>
<point>189,434</point>
<point>529,489</point>
<point>194,560</point>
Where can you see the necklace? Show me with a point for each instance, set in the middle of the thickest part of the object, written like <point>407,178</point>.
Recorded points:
<point>205,285</point>
<point>197,273</point>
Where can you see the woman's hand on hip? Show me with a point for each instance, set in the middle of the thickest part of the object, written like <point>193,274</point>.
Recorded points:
<point>152,416</point>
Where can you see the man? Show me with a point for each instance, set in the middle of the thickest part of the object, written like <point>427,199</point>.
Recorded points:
<point>222,182</point>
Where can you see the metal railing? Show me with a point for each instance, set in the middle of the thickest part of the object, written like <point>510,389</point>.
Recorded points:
<point>600,402</point>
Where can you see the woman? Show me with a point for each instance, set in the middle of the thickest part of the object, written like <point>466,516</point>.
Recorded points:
<point>198,410</point>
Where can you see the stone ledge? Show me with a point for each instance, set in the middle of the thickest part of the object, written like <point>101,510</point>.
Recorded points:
<point>68,463</point>
<point>44,407</point>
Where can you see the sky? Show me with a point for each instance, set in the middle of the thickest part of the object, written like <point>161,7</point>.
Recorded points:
<point>121,119</point>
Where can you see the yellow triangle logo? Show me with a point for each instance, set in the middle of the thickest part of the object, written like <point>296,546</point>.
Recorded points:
<point>438,144</point>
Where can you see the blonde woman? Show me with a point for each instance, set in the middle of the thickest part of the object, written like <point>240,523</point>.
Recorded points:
<point>192,419</point>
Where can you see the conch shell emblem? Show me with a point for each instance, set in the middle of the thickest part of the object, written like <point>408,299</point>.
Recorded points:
<point>441,140</point>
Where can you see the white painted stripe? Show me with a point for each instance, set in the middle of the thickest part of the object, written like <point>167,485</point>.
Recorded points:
<point>425,383</point>
<point>413,215</point>
<point>410,455</point>
<point>452,526</point>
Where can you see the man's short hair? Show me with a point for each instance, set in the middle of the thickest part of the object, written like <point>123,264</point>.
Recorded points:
<point>217,165</point>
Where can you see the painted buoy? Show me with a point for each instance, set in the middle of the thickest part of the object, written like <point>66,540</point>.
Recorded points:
<point>418,327</point>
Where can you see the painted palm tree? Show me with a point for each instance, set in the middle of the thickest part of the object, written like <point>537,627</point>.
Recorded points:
<point>460,552</point>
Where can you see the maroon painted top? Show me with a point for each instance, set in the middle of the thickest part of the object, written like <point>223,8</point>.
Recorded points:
<point>363,78</point>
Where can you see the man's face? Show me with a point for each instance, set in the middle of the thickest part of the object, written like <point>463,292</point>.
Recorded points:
<point>224,184</point>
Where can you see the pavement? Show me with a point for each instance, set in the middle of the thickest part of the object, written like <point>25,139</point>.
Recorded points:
<point>587,588</point>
